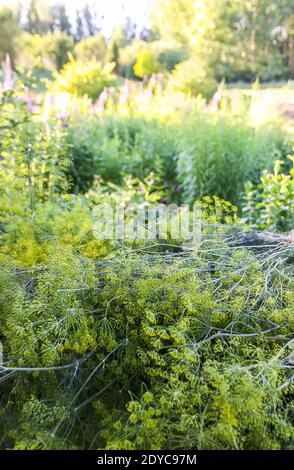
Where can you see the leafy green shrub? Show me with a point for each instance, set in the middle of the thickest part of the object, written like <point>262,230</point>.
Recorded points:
<point>161,55</point>
<point>217,156</point>
<point>270,204</point>
<point>127,58</point>
<point>79,78</point>
<point>131,191</point>
<point>115,146</point>
<point>49,50</point>
<point>170,55</point>
<point>146,63</point>
<point>91,48</point>
<point>192,78</point>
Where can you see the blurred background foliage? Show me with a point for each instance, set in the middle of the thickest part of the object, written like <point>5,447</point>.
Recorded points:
<point>234,40</point>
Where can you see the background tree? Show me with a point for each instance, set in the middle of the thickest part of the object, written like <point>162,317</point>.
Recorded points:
<point>60,18</point>
<point>79,33</point>
<point>49,51</point>
<point>39,17</point>
<point>62,44</point>
<point>119,40</point>
<point>201,27</point>
<point>239,39</point>
<point>91,48</point>
<point>9,32</point>
<point>90,20</point>
<point>258,38</point>
<point>86,23</point>
<point>171,19</point>
<point>290,45</point>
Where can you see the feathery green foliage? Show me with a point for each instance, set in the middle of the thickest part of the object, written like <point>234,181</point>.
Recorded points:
<point>148,349</point>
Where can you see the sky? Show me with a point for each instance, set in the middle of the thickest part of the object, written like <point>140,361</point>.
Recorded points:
<point>113,11</point>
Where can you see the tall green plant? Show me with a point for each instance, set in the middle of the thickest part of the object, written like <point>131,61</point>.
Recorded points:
<point>33,153</point>
<point>270,204</point>
<point>80,78</point>
<point>218,155</point>
<point>118,145</point>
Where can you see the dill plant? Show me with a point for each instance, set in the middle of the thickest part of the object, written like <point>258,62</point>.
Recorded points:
<point>148,349</point>
<point>33,153</point>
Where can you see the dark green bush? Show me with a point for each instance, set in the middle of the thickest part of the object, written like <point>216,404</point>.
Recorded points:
<point>115,146</point>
